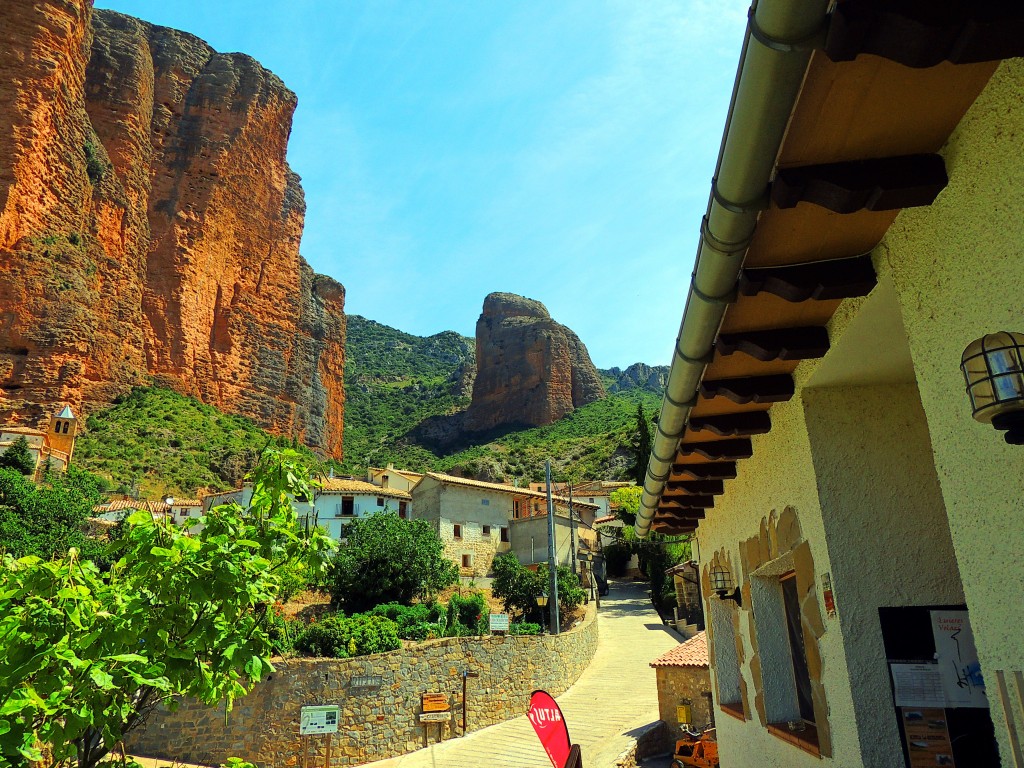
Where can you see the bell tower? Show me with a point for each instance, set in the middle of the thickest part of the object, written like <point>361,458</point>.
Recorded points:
<point>63,427</point>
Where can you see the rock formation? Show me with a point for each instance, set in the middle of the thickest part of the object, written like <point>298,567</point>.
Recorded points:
<point>531,370</point>
<point>638,376</point>
<point>150,225</point>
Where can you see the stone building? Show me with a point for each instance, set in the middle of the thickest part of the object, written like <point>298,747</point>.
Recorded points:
<point>476,521</point>
<point>684,686</point>
<point>859,533</point>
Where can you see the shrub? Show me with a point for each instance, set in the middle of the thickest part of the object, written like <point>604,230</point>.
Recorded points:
<point>341,637</point>
<point>524,628</point>
<point>466,614</point>
<point>94,166</point>
<point>18,457</point>
<point>414,622</point>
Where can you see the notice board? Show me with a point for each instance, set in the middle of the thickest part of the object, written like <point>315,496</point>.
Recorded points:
<point>938,690</point>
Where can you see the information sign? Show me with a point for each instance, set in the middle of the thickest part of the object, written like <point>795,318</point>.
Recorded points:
<point>435,717</point>
<point>435,702</point>
<point>366,681</point>
<point>321,719</point>
<point>498,622</point>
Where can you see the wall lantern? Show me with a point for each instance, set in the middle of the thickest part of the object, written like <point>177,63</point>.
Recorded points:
<point>721,583</point>
<point>542,600</point>
<point>994,371</point>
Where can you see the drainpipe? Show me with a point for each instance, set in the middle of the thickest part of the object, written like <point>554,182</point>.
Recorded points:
<point>776,49</point>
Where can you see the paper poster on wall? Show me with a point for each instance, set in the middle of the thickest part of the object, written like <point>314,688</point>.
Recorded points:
<point>957,658</point>
<point>927,737</point>
<point>917,685</point>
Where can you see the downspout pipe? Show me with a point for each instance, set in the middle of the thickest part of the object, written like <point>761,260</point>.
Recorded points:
<point>780,37</point>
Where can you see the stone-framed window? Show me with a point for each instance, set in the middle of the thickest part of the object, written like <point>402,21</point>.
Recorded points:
<point>504,534</point>
<point>403,509</point>
<point>457,531</point>
<point>467,560</point>
<point>485,530</point>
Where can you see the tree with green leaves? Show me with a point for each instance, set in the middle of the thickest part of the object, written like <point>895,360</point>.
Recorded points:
<point>18,457</point>
<point>47,519</point>
<point>626,502</point>
<point>517,586</point>
<point>385,559</point>
<point>641,446</point>
<point>85,655</point>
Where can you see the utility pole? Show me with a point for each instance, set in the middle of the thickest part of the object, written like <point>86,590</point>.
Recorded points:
<point>552,564</point>
<point>572,532</point>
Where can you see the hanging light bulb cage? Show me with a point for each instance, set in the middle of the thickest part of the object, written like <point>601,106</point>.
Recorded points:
<point>993,368</point>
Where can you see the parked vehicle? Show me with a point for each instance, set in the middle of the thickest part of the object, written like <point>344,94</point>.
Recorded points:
<point>696,748</point>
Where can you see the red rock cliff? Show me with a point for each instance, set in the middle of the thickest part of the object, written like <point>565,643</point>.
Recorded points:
<point>150,226</point>
<point>530,369</point>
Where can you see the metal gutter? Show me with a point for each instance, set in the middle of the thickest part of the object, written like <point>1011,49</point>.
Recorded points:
<point>776,49</point>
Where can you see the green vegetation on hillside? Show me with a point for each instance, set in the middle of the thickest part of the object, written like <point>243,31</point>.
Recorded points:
<point>393,381</point>
<point>165,442</point>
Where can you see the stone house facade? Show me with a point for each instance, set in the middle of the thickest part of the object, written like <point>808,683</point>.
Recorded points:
<point>684,686</point>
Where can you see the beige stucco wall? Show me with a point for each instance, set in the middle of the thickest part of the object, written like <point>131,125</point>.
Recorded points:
<point>530,540</point>
<point>958,268</point>
<point>380,722</point>
<point>873,468</point>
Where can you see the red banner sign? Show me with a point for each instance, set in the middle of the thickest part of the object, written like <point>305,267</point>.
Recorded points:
<point>546,719</point>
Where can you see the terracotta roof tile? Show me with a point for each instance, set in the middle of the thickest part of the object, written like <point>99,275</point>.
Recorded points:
<point>503,488</point>
<point>692,653</point>
<point>606,519</point>
<point>339,485</point>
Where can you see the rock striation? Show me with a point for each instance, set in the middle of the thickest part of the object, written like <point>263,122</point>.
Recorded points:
<point>531,371</point>
<point>150,226</point>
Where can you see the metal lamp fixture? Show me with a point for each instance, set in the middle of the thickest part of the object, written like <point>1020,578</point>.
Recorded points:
<point>542,600</point>
<point>993,368</point>
<point>721,583</point>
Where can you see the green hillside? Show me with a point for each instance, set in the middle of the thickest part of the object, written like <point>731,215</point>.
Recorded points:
<point>164,442</point>
<point>393,381</point>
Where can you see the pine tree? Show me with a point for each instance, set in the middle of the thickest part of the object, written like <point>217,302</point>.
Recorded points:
<point>641,446</point>
<point>18,457</point>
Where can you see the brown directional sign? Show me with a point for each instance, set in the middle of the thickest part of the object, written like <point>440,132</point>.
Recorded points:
<point>435,702</point>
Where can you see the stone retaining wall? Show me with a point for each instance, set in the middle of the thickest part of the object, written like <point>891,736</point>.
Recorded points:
<point>375,723</point>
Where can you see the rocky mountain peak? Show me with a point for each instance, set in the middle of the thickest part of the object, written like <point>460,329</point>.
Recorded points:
<point>531,370</point>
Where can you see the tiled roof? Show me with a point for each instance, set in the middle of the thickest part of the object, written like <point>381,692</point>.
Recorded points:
<point>403,472</point>
<point>606,519</point>
<point>502,488</point>
<point>22,431</point>
<point>187,503</point>
<point>117,505</point>
<point>692,653</point>
<point>339,485</point>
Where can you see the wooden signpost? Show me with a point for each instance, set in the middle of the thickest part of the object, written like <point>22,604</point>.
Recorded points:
<point>434,708</point>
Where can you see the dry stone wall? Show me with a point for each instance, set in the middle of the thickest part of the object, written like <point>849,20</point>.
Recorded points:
<point>377,722</point>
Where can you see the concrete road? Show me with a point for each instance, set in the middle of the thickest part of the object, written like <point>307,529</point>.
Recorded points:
<point>615,695</point>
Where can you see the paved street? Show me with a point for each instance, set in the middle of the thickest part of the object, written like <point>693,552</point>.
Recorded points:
<point>615,695</point>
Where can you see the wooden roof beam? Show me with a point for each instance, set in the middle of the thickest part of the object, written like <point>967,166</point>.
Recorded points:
<point>776,344</point>
<point>714,487</point>
<point>817,280</point>
<point>879,184</point>
<point>925,34</point>
<point>729,424</point>
<point>713,470</point>
<point>689,500</point>
<point>750,389</point>
<point>719,449</point>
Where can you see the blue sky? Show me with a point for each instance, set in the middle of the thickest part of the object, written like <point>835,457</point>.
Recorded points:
<point>557,149</point>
